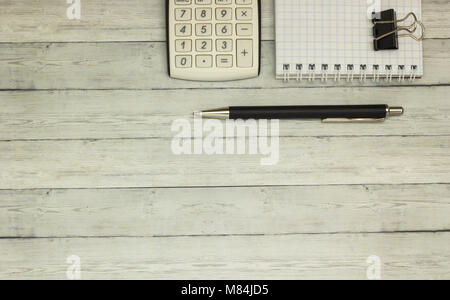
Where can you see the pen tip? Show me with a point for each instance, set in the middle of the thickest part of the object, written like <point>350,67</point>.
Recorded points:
<point>198,114</point>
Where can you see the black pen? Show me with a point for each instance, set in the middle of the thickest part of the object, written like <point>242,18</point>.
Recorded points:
<point>326,113</point>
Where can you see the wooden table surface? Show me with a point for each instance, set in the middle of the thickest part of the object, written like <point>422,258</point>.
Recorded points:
<point>87,168</point>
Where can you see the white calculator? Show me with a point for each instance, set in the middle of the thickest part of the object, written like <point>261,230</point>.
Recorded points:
<point>214,40</point>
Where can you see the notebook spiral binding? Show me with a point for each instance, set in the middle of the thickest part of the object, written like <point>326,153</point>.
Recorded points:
<point>300,72</point>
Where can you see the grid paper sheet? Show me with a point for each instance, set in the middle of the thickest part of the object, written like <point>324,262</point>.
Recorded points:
<point>326,38</point>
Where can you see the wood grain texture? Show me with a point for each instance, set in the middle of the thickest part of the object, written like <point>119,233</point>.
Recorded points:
<point>144,66</point>
<point>135,20</point>
<point>87,167</point>
<point>151,163</point>
<point>224,211</point>
<point>34,115</point>
<point>403,256</point>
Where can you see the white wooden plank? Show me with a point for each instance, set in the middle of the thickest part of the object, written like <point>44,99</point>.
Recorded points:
<point>403,256</point>
<point>135,20</point>
<point>148,162</point>
<point>144,66</point>
<point>151,163</point>
<point>35,115</point>
<point>224,211</point>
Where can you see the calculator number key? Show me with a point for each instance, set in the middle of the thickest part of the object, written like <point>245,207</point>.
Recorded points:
<point>204,45</point>
<point>183,45</point>
<point>224,45</point>
<point>183,14</point>
<point>203,29</point>
<point>183,61</point>
<point>224,29</point>
<point>183,30</point>
<point>203,14</point>
<point>224,14</point>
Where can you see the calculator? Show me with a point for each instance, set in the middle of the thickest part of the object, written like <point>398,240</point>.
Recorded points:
<point>214,40</point>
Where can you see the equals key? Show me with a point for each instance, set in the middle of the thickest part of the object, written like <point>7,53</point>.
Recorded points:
<point>224,61</point>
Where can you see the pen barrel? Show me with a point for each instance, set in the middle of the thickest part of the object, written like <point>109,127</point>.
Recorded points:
<point>309,112</point>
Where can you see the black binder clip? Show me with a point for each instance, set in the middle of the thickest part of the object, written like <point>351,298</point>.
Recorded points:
<point>386,29</point>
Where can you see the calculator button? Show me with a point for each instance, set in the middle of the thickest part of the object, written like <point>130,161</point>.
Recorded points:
<point>204,61</point>
<point>244,52</point>
<point>243,2</point>
<point>224,45</point>
<point>182,2</point>
<point>224,61</point>
<point>224,14</point>
<point>223,2</point>
<point>244,29</point>
<point>183,45</point>
<point>203,45</point>
<point>244,13</point>
<point>203,29</point>
<point>203,2</point>
<point>224,29</point>
<point>183,14</point>
<point>183,61</point>
<point>203,14</point>
<point>183,30</point>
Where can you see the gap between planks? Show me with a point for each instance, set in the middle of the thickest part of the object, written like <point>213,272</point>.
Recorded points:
<point>226,235</point>
<point>231,186</point>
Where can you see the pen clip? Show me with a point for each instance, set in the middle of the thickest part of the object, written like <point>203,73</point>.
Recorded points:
<point>347,120</point>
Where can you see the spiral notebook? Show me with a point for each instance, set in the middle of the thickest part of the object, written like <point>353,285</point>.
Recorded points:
<point>323,39</point>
